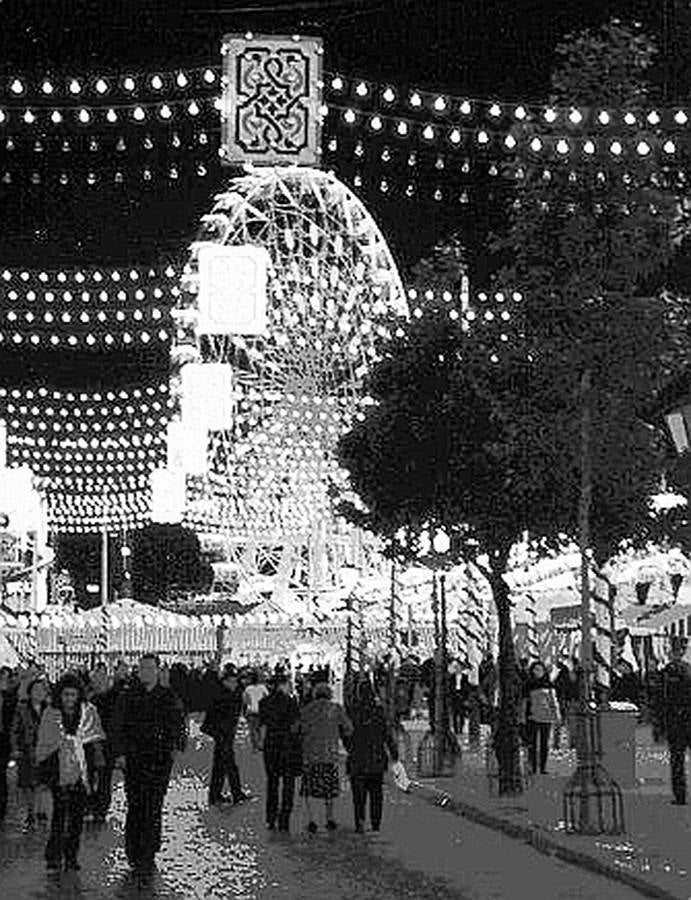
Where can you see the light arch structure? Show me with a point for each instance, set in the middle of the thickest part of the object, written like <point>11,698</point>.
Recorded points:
<point>333,291</point>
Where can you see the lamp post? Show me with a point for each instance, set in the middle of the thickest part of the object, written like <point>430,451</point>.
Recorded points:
<point>593,801</point>
<point>349,577</point>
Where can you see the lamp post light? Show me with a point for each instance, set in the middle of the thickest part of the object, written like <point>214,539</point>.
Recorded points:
<point>349,577</point>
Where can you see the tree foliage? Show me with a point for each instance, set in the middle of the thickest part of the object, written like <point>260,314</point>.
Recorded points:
<point>167,557</point>
<point>478,427</point>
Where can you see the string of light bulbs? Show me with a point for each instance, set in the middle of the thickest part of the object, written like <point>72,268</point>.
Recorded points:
<point>167,86</point>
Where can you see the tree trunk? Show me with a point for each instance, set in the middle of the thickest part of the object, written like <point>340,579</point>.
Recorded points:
<point>507,737</point>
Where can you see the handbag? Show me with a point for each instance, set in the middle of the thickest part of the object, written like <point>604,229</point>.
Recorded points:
<point>400,777</point>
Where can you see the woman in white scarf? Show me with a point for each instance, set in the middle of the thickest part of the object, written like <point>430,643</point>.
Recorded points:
<point>67,728</point>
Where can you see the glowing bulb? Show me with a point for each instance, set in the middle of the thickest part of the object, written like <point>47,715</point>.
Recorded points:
<point>603,117</point>
<point>157,82</point>
<point>643,148</point>
<point>181,80</point>
<point>510,141</point>
<point>337,83</point>
<point>349,116</point>
<point>193,109</point>
<point>376,123</point>
<point>75,87</point>
<point>101,86</point>
<point>483,137</point>
<point>209,76</point>
<point>402,128</point>
<point>669,147</point>
<point>589,148</point>
<point>389,95</point>
<point>17,87</point>
<point>654,118</point>
<point>680,117</point>
<point>576,116</point>
<point>536,145</point>
<point>615,148</point>
<point>47,87</point>
<point>84,116</point>
<point>562,146</point>
<point>29,117</point>
<point>362,90</point>
<point>415,99</point>
<point>139,115</point>
<point>56,117</point>
<point>428,133</point>
<point>465,108</point>
<point>440,104</point>
<point>129,84</point>
<point>455,136</point>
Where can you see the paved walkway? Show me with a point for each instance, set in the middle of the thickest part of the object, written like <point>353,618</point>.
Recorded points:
<point>421,854</point>
<point>654,854</point>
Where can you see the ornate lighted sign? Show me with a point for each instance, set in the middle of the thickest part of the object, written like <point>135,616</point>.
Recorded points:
<point>271,101</point>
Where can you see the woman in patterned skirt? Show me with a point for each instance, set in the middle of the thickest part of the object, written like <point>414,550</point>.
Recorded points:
<point>322,724</point>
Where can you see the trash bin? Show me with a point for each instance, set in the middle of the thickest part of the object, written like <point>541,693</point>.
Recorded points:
<point>618,729</point>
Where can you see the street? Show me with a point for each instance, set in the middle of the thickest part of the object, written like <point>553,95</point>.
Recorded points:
<point>422,853</point>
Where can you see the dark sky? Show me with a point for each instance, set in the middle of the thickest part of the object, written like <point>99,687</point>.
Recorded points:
<point>497,48</point>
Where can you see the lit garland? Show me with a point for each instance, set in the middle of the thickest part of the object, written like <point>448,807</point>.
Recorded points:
<point>170,89</point>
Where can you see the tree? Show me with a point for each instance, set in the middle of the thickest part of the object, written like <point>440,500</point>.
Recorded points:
<point>479,428</point>
<point>165,557</point>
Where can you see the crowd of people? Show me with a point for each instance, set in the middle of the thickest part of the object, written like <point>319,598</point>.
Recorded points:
<point>69,738</point>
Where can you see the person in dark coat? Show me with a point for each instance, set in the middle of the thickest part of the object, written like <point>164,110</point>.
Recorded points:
<point>148,735</point>
<point>370,746</point>
<point>104,698</point>
<point>8,703</point>
<point>220,723</point>
<point>24,738</point>
<point>279,739</point>
<point>676,711</point>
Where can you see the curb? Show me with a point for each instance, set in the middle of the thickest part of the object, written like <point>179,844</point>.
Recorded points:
<point>540,840</point>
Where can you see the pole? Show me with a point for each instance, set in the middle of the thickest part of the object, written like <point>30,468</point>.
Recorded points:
<point>444,639</point>
<point>584,506</point>
<point>104,554</point>
<point>392,610</point>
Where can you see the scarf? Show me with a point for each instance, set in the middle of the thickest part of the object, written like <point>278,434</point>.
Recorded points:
<point>52,738</point>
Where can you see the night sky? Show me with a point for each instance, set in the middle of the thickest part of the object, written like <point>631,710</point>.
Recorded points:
<point>498,49</point>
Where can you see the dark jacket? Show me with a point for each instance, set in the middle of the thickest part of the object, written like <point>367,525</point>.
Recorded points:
<point>148,724</point>
<point>221,719</point>
<point>106,704</point>
<point>369,742</point>
<point>9,705</point>
<point>676,700</point>
<point>279,714</point>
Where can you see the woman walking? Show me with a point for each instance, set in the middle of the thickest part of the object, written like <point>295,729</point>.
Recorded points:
<point>541,712</point>
<point>27,718</point>
<point>67,728</point>
<point>370,747</point>
<point>322,724</point>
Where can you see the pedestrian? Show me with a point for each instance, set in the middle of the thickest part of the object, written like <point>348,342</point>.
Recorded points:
<point>254,693</point>
<point>8,703</point>
<point>220,723</point>
<point>24,737</point>
<point>105,698</point>
<point>67,729</point>
<point>676,716</point>
<point>279,714</point>
<point>148,735</point>
<point>370,747</point>
<point>540,712</point>
<point>322,724</point>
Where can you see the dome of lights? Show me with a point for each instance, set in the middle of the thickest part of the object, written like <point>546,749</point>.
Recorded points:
<point>332,287</point>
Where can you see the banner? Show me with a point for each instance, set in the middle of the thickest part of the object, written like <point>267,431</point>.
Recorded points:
<point>232,295</point>
<point>187,448</point>
<point>207,396</point>
<point>167,495</point>
<point>271,101</point>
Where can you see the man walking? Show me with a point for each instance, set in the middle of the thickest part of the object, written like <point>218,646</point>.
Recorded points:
<point>148,734</point>
<point>220,723</point>
<point>676,710</point>
<point>279,714</point>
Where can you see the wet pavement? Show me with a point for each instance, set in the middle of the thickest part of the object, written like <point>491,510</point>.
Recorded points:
<point>422,853</point>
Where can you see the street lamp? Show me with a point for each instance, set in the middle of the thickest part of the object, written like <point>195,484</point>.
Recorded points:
<point>349,577</point>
